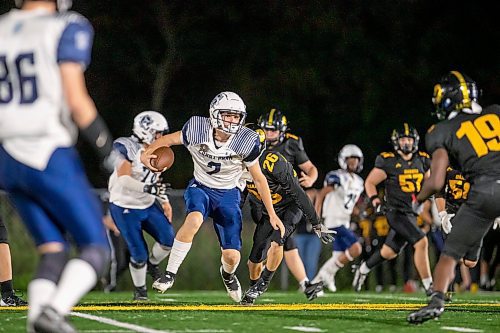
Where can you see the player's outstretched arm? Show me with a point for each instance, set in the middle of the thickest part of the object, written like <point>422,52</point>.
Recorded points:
<point>172,139</point>
<point>263,188</point>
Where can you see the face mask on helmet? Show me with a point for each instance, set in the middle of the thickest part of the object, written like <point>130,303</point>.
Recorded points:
<point>222,109</point>
<point>148,124</point>
<point>454,92</point>
<point>406,132</point>
<point>350,151</point>
<point>274,120</point>
<point>262,135</point>
<point>62,5</point>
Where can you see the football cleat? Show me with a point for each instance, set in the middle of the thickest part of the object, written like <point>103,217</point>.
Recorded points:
<point>312,290</point>
<point>431,311</point>
<point>247,300</point>
<point>255,291</point>
<point>12,300</point>
<point>233,286</point>
<point>140,294</point>
<point>50,321</point>
<point>154,271</point>
<point>165,282</point>
<point>359,278</point>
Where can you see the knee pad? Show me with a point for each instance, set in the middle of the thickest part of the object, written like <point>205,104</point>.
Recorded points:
<point>51,265</point>
<point>96,256</point>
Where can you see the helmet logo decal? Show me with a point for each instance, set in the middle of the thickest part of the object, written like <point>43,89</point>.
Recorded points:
<point>145,122</point>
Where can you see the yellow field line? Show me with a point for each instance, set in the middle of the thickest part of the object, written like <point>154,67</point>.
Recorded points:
<point>267,307</point>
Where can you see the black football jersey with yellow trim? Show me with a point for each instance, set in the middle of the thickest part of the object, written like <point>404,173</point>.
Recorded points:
<point>292,149</point>
<point>404,178</point>
<point>472,142</point>
<point>283,184</point>
<point>455,191</point>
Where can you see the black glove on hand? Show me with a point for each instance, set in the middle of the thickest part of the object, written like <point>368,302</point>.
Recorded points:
<point>158,189</point>
<point>323,233</point>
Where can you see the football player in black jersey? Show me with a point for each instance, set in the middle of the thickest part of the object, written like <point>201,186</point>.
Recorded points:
<point>402,172</point>
<point>291,203</point>
<point>468,137</point>
<point>275,125</point>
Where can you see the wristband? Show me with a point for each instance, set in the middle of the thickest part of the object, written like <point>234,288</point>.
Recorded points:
<point>373,197</point>
<point>98,135</point>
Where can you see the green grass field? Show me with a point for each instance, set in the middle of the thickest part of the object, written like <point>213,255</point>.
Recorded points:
<point>212,311</point>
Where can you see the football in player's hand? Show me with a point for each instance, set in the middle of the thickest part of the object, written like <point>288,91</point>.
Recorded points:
<point>164,158</point>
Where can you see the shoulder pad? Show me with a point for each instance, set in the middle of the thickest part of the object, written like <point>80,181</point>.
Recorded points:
<point>387,154</point>
<point>423,154</point>
<point>291,136</point>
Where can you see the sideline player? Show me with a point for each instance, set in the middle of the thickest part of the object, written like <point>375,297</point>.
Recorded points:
<point>467,138</point>
<point>220,147</point>
<point>43,102</point>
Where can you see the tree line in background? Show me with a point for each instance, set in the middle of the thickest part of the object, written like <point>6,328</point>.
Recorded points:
<point>342,72</point>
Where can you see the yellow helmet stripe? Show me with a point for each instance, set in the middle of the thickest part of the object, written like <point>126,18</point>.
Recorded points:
<point>407,129</point>
<point>271,116</point>
<point>463,85</point>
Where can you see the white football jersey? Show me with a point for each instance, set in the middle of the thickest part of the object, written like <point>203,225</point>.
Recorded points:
<point>215,166</point>
<point>131,149</point>
<point>338,204</point>
<point>34,117</point>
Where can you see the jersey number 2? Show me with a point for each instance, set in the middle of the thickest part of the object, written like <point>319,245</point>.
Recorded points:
<point>483,134</point>
<point>26,83</point>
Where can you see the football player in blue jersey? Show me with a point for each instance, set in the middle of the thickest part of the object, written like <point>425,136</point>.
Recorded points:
<point>135,193</point>
<point>44,101</point>
<point>220,147</point>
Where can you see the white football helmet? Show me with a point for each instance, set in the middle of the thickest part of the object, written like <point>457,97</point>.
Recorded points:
<point>62,5</point>
<point>350,151</point>
<point>227,102</point>
<point>147,124</point>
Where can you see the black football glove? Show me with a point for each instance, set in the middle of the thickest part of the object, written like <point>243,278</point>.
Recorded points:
<point>158,189</point>
<point>323,233</point>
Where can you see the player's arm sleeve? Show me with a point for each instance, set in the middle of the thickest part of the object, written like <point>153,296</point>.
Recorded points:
<point>285,176</point>
<point>435,139</point>
<point>75,44</point>
<point>380,162</point>
<point>253,156</point>
<point>122,150</point>
<point>298,151</point>
<point>332,179</point>
<point>185,133</point>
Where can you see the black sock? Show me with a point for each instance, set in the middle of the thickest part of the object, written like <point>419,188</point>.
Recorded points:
<point>6,287</point>
<point>438,295</point>
<point>374,260</point>
<point>226,275</point>
<point>267,275</point>
<point>253,282</point>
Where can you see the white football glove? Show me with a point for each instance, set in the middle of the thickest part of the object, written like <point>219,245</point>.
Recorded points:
<point>326,235</point>
<point>496,224</point>
<point>446,221</point>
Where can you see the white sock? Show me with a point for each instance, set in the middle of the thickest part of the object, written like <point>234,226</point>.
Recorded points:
<point>40,292</point>
<point>427,282</point>
<point>177,255</point>
<point>230,269</point>
<point>138,275</point>
<point>303,283</point>
<point>364,269</point>
<point>158,253</point>
<point>77,278</point>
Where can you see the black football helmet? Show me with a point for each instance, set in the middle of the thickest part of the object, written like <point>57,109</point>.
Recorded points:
<point>274,120</point>
<point>260,132</point>
<point>454,92</point>
<point>406,131</point>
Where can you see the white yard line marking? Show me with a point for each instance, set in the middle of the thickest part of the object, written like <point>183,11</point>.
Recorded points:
<point>304,329</point>
<point>112,322</point>
<point>461,329</point>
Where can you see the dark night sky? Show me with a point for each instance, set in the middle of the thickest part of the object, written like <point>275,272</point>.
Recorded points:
<point>342,71</point>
